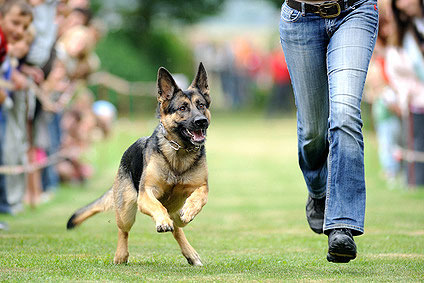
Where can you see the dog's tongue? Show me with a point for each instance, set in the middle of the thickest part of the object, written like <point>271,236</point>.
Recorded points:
<point>198,135</point>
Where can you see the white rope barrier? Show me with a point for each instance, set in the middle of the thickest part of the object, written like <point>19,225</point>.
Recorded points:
<point>32,167</point>
<point>122,86</point>
<point>412,155</point>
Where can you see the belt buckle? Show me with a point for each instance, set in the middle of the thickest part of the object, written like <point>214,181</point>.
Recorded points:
<point>324,10</point>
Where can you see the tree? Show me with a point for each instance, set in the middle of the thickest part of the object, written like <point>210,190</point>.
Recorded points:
<point>276,3</point>
<point>137,16</point>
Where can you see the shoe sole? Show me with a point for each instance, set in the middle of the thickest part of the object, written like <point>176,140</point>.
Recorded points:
<point>318,231</point>
<point>342,253</point>
<point>340,258</point>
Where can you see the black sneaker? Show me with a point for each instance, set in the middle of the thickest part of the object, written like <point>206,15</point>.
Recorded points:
<point>315,213</point>
<point>341,246</point>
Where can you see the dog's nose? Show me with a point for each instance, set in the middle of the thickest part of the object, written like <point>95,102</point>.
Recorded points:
<point>201,122</point>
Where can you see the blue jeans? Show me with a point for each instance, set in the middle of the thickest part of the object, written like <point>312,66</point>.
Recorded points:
<point>328,62</point>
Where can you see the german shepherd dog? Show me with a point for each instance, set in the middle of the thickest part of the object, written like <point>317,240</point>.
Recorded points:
<point>165,175</point>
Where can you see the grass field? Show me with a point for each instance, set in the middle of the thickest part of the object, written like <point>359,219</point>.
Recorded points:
<point>252,229</point>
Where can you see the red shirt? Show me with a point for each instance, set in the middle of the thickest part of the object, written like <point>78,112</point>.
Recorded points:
<point>3,46</point>
<point>279,71</point>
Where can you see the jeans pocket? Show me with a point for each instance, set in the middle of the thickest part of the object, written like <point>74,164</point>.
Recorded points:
<point>289,14</point>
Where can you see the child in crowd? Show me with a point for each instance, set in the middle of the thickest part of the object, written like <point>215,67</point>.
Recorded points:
<point>15,141</point>
<point>15,17</point>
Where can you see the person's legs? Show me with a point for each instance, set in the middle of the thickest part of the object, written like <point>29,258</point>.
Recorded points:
<point>328,61</point>
<point>352,39</point>
<point>304,41</point>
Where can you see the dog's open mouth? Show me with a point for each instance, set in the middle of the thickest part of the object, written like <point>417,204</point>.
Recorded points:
<point>196,136</point>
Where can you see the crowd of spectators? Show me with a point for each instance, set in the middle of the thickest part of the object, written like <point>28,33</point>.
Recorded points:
<point>395,87</point>
<point>47,112</point>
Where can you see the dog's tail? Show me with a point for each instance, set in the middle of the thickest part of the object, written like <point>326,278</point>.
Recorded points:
<point>103,203</point>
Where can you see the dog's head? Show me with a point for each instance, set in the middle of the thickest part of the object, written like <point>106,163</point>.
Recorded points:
<point>184,113</point>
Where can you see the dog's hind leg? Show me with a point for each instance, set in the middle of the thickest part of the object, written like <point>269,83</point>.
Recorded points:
<point>125,198</point>
<point>187,250</point>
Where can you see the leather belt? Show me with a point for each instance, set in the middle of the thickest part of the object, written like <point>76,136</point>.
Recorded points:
<point>329,9</point>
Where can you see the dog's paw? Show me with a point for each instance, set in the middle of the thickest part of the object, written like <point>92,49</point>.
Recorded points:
<point>185,216</point>
<point>194,260</point>
<point>187,213</point>
<point>120,258</point>
<point>165,226</point>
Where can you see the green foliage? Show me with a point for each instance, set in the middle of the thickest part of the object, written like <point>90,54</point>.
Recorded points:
<point>276,3</point>
<point>253,227</point>
<point>167,49</point>
<point>139,47</point>
<point>139,16</point>
<point>121,57</point>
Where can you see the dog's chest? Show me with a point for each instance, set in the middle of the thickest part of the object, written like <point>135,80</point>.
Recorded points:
<point>174,189</point>
<point>172,178</point>
<point>177,168</point>
<point>175,175</point>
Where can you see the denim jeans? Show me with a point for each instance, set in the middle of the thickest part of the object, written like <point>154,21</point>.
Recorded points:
<point>328,62</point>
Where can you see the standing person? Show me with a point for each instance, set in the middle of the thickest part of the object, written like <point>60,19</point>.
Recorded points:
<point>15,17</point>
<point>328,47</point>
<point>16,140</point>
<point>37,65</point>
<point>408,78</point>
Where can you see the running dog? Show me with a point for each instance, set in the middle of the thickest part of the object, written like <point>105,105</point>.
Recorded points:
<point>165,175</point>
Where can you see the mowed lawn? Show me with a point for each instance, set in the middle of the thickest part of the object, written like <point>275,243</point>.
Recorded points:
<point>252,229</point>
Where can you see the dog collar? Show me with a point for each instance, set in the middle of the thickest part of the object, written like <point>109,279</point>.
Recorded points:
<point>176,146</point>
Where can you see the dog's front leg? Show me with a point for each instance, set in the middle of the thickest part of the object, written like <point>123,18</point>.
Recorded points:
<point>148,204</point>
<point>194,203</point>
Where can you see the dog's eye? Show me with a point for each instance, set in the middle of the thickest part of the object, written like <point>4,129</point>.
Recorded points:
<point>202,106</point>
<point>182,108</point>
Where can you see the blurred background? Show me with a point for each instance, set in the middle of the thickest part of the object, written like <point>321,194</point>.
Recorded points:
<point>238,44</point>
<point>79,69</point>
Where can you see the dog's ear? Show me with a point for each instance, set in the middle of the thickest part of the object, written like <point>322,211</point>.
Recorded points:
<point>166,85</point>
<point>201,82</point>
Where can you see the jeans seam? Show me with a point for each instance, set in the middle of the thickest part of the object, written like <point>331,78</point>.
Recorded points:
<point>289,19</point>
<point>373,39</point>
<point>328,168</point>
<point>341,225</point>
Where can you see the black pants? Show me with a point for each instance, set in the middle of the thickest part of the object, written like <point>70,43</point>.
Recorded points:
<point>416,175</point>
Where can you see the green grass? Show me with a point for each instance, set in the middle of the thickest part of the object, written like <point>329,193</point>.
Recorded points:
<point>252,229</point>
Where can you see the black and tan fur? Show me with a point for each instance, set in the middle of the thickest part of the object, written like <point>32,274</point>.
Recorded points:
<point>165,175</point>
